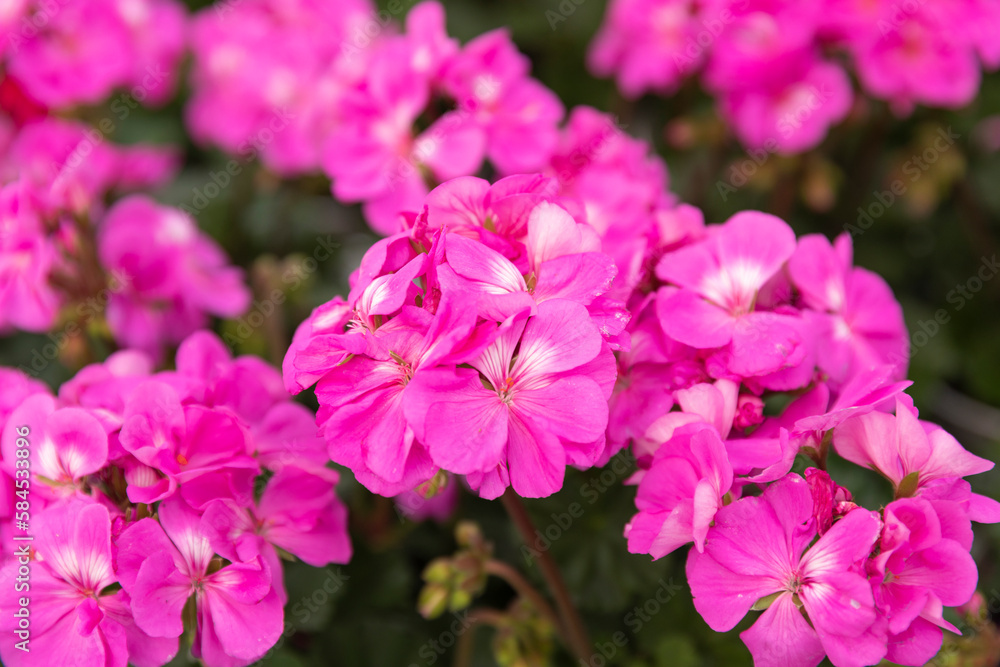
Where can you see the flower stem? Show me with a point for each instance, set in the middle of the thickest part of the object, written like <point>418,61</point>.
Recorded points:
<point>573,627</point>
<point>466,641</point>
<point>525,589</point>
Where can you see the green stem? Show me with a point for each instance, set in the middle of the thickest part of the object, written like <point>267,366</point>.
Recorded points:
<point>524,589</point>
<point>572,624</point>
<point>466,641</point>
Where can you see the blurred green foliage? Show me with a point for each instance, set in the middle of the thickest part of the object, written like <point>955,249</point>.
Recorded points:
<point>931,239</point>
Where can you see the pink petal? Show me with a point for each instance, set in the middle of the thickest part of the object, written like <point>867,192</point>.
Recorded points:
<point>158,596</point>
<point>559,338</point>
<point>917,645</point>
<point>463,424</point>
<point>535,460</point>
<point>552,232</point>
<point>782,637</point>
<point>246,621</point>
<point>570,408</point>
<point>689,319</point>
<point>80,442</point>
<point>721,596</point>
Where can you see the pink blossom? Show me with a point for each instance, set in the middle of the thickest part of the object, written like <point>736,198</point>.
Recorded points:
<point>864,325</point>
<point>67,445</point>
<point>269,78</point>
<point>740,567</point>
<point>901,446</point>
<point>281,432</point>
<point>650,45</point>
<point>81,52</point>
<point>720,278</point>
<point>172,284</point>
<point>203,451</point>
<point>793,115</point>
<point>681,492</point>
<point>910,60</point>
<point>298,512</point>
<point>161,565</point>
<point>71,167</point>
<point>917,572</point>
<point>518,426</point>
<point>489,81</point>
<point>27,256</point>
<point>74,619</point>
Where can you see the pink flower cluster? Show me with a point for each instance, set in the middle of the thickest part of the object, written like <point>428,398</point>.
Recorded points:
<point>743,315</point>
<point>766,61</point>
<point>146,268</point>
<point>64,255</point>
<point>479,341</point>
<point>386,114</point>
<point>269,76</point>
<point>63,54</point>
<point>159,503</point>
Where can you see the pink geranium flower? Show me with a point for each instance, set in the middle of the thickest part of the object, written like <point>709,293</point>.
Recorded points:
<point>864,325</point>
<point>489,81</point>
<point>298,513</point>
<point>67,445</point>
<point>171,285</point>
<point>773,566</point>
<point>650,45</point>
<point>203,451</point>
<point>508,421</point>
<point>74,618</point>
<point>681,492</point>
<point>27,257</point>
<point>919,570</point>
<point>720,278</point>
<point>901,446</point>
<point>161,565</point>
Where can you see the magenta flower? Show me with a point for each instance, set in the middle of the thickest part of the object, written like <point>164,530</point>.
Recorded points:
<point>67,445</point>
<point>27,257</point>
<point>912,61</point>
<point>77,57</point>
<point>281,432</point>
<point>773,566</point>
<point>161,565</point>
<point>489,81</point>
<point>362,400</point>
<point>919,570</point>
<point>269,79</point>
<point>203,451</point>
<point>793,115</point>
<point>171,284</point>
<point>298,512</point>
<point>648,45</point>
<point>720,278</point>
<point>82,52</point>
<point>902,447</point>
<point>517,422</point>
<point>377,157</point>
<point>74,619</point>
<point>69,169</point>
<point>561,265</point>
<point>864,325</point>
<point>681,492</point>
<point>102,389</point>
